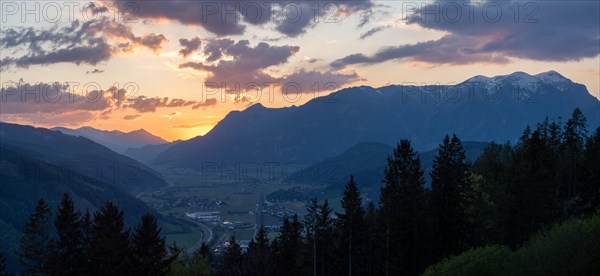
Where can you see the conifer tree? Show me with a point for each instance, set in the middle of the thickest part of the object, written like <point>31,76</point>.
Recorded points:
<point>36,243</point>
<point>86,236</point>
<point>149,256</point>
<point>451,194</point>
<point>287,247</point>
<point>311,219</point>
<point>232,263</point>
<point>574,137</point>
<point>490,182</point>
<point>258,254</point>
<point>533,189</point>
<point>110,248</point>
<point>69,251</point>
<point>325,236</point>
<point>352,230</point>
<point>204,250</point>
<point>590,188</point>
<point>403,204</point>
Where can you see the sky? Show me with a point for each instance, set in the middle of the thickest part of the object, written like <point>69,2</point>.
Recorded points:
<point>177,67</point>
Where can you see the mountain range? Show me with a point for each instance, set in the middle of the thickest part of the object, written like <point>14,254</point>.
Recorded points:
<point>478,109</point>
<point>80,155</point>
<point>115,140</point>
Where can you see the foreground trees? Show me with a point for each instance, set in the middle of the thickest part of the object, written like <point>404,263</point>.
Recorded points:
<point>82,246</point>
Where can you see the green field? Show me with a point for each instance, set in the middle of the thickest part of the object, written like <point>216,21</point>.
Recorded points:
<point>239,203</point>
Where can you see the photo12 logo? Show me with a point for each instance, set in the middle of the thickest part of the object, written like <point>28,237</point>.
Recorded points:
<point>290,92</point>
<point>56,11</point>
<point>470,11</point>
<point>65,92</point>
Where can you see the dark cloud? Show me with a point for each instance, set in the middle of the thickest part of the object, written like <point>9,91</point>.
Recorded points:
<point>365,18</point>
<point>544,30</point>
<point>373,31</point>
<point>144,104</point>
<point>326,80</point>
<point>89,42</point>
<point>247,62</point>
<point>189,46</point>
<point>240,64</point>
<point>207,103</point>
<point>450,49</point>
<point>55,98</point>
<point>223,18</point>
<point>95,71</point>
<point>214,49</point>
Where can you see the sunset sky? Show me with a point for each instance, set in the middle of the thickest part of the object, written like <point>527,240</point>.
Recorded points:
<point>146,64</point>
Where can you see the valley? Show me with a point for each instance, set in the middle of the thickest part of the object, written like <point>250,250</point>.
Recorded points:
<point>215,209</point>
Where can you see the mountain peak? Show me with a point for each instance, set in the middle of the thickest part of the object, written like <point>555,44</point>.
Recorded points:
<point>551,77</point>
<point>139,131</point>
<point>523,80</point>
<point>256,106</point>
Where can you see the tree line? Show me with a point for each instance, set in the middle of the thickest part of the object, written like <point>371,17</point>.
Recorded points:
<point>85,244</point>
<point>507,195</point>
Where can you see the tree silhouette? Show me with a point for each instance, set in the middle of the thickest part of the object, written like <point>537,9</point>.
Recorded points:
<point>352,229</point>
<point>69,252</point>
<point>148,248</point>
<point>110,250</point>
<point>451,193</point>
<point>36,244</point>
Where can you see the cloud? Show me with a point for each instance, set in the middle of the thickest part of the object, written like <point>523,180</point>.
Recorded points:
<point>240,64</point>
<point>225,18</point>
<point>207,103</point>
<point>144,104</point>
<point>95,71</point>
<point>545,31</point>
<point>54,98</point>
<point>311,60</point>
<point>89,42</point>
<point>215,47</point>
<point>247,62</point>
<point>450,49</point>
<point>133,117</point>
<point>189,46</point>
<point>74,118</point>
<point>173,115</point>
<point>373,31</point>
<point>54,103</point>
<point>188,126</point>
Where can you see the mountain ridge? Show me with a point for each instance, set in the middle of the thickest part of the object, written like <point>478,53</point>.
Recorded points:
<point>81,155</point>
<point>116,140</point>
<point>328,125</point>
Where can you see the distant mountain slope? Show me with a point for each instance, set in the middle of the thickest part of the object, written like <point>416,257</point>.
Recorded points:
<point>479,109</point>
<point>148,153</point>
<point>24,179</point>
<point>80,155</point>
<point>115,140</point>
<point>364,160</point>
<point>367,161</point>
